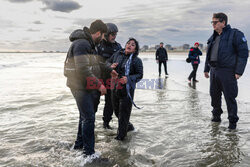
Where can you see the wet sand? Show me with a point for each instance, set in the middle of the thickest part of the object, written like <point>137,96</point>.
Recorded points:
<point>39,119</point>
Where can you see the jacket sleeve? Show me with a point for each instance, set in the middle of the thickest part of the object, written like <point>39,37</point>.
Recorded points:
<point>166,54</point>
<point>241,47</point>
<point>106,67</point>
<point>157,54</point>
<point>138,71</point>
<point>81,52</point>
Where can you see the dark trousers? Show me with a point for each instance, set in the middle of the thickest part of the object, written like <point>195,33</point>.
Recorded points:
<point>122,107</point>
<point>193,73</point>
<point>87,103</point>
<point>223,80</point>
<point>108,109</point>
<point>165,67</point>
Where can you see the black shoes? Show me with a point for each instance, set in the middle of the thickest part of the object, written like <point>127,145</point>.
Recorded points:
<point>106,125</point>
<point>232,125</point>
<point>130,127</point>
<point>216,119</point>
<point>119,138</point>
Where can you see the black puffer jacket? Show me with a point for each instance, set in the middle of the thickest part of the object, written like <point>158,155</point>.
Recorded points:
<point>82,61</point>
<point>136,68</point>
<point>107,49</point>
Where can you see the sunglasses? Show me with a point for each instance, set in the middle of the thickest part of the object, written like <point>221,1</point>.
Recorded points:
<point>113,33</point>
<point>214,22</point>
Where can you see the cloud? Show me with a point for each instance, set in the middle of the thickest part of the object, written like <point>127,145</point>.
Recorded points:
<point>66,6</point>
<point>6,23</point>
<point>172,29</point>
<point>37,22</point>
<point>19,1</point>
<point>32,30</point>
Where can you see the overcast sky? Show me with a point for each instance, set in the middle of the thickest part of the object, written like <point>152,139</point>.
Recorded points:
<point>37,25</point>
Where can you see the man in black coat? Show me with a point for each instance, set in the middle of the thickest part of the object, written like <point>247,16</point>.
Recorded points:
<point>162,58</point>
<point>106,49</point>
<point>227,54</point>
<point>83,70</point>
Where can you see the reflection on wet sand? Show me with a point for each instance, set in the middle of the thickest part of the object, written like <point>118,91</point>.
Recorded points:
<point>161,84</point>
<point>222,149</point>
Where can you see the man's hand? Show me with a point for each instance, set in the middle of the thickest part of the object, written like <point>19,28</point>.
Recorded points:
<point>123,80</point>
<point>206,74</point>
<point>103,90</point>
<point>114,74</point>
<point>114,65</point>
<point>237,76</point>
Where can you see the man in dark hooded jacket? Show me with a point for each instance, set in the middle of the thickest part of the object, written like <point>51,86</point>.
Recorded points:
<point>83,70</point>
<point>227,54</point>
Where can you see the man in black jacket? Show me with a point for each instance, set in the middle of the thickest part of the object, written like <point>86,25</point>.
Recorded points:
<point>227,54</point>
<point>162,57</point>
<point>106,49</point>
<point>83,70</point>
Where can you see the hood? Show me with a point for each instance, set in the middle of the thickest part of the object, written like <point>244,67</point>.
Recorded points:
<point>80,34</point>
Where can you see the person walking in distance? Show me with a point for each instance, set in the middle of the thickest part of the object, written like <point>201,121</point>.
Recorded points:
<point>162,58</point>
<point>194,56</point>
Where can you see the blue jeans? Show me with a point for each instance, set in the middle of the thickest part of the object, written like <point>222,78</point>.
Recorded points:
<point>87,103</point>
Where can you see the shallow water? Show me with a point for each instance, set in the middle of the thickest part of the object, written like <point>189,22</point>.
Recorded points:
<point>39,118</point>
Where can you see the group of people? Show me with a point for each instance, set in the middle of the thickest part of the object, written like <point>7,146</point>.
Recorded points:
<point>226,59</point>
<point>95,58</point>
<point>97,65</point>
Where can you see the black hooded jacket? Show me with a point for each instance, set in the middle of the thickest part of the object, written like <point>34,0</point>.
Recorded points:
<point>82,62</point>
<point>136,67</point>
<point>107,49</point>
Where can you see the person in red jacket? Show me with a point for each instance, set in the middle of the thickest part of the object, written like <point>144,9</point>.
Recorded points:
<point>193,55</point>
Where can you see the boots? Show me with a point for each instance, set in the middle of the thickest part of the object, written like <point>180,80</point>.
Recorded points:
<point>232,125</point>
<point>130,127</point>
<point>216,118</point>
<point>106,125</point>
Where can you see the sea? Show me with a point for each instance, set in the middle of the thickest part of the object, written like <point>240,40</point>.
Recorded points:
<point>173,128</point>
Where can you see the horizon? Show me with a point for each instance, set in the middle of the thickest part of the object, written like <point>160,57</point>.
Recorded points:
<point>43,25</point>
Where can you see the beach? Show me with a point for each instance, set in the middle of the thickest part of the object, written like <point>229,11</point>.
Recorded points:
<point>39,118</point>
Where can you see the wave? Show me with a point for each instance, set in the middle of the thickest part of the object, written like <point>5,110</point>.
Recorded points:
<point>4,66</point>
<point>36,103</point>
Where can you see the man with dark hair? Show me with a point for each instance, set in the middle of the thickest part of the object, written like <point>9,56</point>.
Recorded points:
<point>227,54</point>
<point>162,58</point>
<point>106,49</point>
<point>83,70</point>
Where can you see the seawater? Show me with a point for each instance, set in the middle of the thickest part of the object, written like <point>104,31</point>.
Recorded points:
<point>39,118</point>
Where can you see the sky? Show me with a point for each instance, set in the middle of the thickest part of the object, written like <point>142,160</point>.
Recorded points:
<point>45,25</point>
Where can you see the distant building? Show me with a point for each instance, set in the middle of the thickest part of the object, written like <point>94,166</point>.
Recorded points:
<point>157,46</point>
<point>168,47</point>
<point>201,46</point>
<point>185,46</point>
<point>144,48</point>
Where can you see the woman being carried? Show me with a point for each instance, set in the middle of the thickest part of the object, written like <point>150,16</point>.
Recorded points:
<point>130,70</point>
